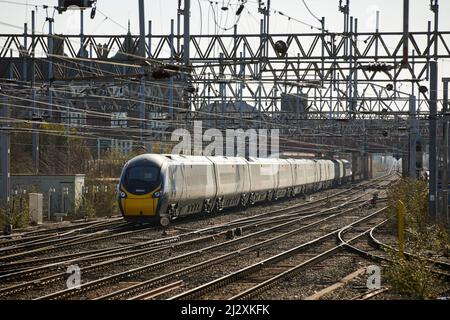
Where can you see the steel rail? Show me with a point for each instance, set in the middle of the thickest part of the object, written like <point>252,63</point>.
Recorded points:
<point>157,265</point>
<point>31,284</point>
<point>378,244</point>
<point>158,291</point>
<point>379,258</point>
<point>370,294</point>
<point>218,283</point>
<point>273,219</point>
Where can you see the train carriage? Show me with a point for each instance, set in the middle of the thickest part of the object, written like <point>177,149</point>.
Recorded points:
<point>140,184</point>
<point>348,171</point>
<point>199,185</point>
<point>285,179</point>
<point>263,177</point>
<point>232,180</point>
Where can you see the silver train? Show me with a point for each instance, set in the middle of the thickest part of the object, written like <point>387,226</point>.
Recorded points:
<point>162,188</point>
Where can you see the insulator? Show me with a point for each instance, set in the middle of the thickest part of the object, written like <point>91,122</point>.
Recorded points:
<point>241,8</point>
<point>94,10</point>
<point>423,89</point>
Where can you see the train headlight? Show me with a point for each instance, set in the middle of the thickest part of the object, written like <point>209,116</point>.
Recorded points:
<point>157,194</point>
<point>123,194</point>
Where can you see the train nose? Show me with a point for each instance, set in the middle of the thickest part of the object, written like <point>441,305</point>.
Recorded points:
<point>139,205</point>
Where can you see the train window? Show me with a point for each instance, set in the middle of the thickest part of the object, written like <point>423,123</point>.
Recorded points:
<point>141,179</point>
<point>143,173</point>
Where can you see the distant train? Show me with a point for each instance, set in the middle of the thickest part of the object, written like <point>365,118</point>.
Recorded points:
<point>162,188</point>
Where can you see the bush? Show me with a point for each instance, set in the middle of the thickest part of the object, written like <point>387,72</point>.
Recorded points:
<point>18,215</point>
<point>99,199</point>
<point>86,209</point>
<point>414,276</point>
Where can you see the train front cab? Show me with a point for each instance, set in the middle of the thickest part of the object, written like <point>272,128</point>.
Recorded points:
<point>140,191</point>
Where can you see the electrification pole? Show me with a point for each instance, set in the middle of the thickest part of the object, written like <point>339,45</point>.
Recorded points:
<point>445,151</point>
<point>186,46</point>
<point>50,65</point>
<point>187,32</point>
<point>141,29</point>
<point>412,137</point>
<point>433,146</point>
<point>36,115</point>
<point>172,54</point>
<point>142,113</point>
<point>405,61</point>
<point>5,147</point>
<point>433,212</point>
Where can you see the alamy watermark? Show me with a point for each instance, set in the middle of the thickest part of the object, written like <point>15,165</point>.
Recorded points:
<point>74,278</point>
<point>234,143</point>
<point>374,277</point>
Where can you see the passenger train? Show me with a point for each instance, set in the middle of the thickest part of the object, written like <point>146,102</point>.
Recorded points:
<point>162,188</point>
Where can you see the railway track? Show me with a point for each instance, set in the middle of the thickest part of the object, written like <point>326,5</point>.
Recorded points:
<point>28,238</point>
<point>63,235</point>
<point>290,212</point>
<point>248,224</point>
<point>442,265</point>
<point>370,294</point>
<point>268,270</point>
<point>377,252</point>
<point>124,292</point>
<point>186,257</point>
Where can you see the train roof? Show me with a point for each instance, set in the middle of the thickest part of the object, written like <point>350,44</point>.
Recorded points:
<point>159,159</point>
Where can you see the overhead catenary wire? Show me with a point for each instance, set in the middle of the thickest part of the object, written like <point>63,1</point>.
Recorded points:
<point>198,112</point>
<point>216,114</point>
<point>94,136</point>
<point>108,115</point>
<point>256,121</point>
<point>139,119</point>
<point>283,139</point>
<point>309,10</point>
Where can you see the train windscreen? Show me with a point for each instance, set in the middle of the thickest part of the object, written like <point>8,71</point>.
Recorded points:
<point>141,179</point>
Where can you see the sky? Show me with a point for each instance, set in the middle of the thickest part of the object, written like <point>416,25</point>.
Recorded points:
<point>15,12</point>
<point>113,15</point>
